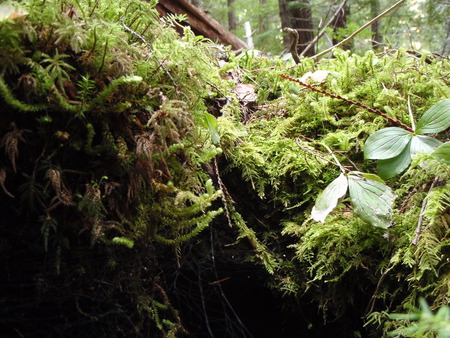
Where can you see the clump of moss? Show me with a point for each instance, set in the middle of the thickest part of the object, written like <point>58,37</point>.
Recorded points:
<point>283,151</point>
<point>108,136</point>
<point>102,173</point>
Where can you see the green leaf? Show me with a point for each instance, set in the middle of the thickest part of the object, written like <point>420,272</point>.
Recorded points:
<point>423,144</point>
<point>426,311</point>
<point>210,122</point>
<point>435,119</point>
<point>396,165</point>
<point>386,143</point>
<point>329,198</point>
<point>371,200</point>
<point>442,153</point>
<point>372,177</point>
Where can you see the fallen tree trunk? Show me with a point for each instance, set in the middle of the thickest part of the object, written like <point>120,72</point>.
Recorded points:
<point>200,22</point>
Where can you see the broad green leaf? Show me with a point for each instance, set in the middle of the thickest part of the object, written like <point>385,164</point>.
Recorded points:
<point>372,177</point>
<point>210,119</point>
<point>396,165</point>
<point>386,143</point>
<point>329,198</point>
<point>435,119</point>
<point>423,144</point>
<point>211,123</point>
<point>442,153</point>
<point>371,200</point>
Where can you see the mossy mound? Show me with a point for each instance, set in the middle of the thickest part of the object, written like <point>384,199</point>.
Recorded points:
<point>287,151</point>
<point>123,141</point>
<point>103,144</point>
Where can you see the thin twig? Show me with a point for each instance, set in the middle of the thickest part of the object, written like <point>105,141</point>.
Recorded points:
<point>320,155</point>
<point>359,104</point>
<point>390,9</point>
<point>2,183</point>
<point>225,196</point>
<point>422,212</point>
<point>371,304</point>
<point>335,158</point>
<point>149,47</point>
<point>402,208</point>
<point>293,48</point>
<point>322,32</point>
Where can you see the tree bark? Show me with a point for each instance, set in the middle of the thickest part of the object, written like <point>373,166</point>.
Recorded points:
<point>296,14</point>
<point>263,19</point>
<point>231,16</point>
<point>200,22</point>
<point>284,21</point>
<point>376,35</point>
<point>341,22</point>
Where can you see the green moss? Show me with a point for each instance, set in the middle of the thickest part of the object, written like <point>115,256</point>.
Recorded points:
<point>104,139</point>
<point>282,154</point>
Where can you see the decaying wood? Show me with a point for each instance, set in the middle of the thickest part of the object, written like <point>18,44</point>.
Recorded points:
<point>200,22</point>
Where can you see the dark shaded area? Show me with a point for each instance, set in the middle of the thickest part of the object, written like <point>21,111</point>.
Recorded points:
<point>71,291</point>
<point>219,293</point>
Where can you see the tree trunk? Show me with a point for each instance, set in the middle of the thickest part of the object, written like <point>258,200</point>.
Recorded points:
<point>296,14</point>
<point>231,16</point>
<point>284,18</point>
<point>341,22</point>
<point>200,23</point>
<point>263,19</point>
<point>446,46</point>
<point>376,35</point>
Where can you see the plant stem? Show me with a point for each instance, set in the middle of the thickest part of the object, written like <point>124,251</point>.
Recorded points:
<point>356,103</point>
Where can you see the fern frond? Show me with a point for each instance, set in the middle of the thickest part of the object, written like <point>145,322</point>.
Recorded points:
<point>438,202</point>
<point>2,183</point>
<point>10,142</point>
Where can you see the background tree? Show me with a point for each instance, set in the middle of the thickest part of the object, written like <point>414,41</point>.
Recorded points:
<point>231,15</point>
<point>296,14</point>
<point>263,18</point>
<point>414,25</point>
<point>376,34</point>
<point>434,25</point>
<point>340,25</point>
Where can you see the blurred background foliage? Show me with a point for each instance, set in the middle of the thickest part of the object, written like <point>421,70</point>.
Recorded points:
<point>416,24</point>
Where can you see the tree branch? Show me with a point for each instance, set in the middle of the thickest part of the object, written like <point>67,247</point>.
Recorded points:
<point>314,41</point>
<point>390,9</point>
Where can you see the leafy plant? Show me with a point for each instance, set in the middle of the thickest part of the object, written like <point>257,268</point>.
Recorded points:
<point>422,322</point>
<point>371,199</point>
<point>86,88</point>
<point>394,147</point>
<point>210,122</point>
<point>442,153</point>
<point>57,68</point>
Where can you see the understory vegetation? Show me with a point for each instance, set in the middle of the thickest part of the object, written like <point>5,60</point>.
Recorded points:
<point>131,151</point>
